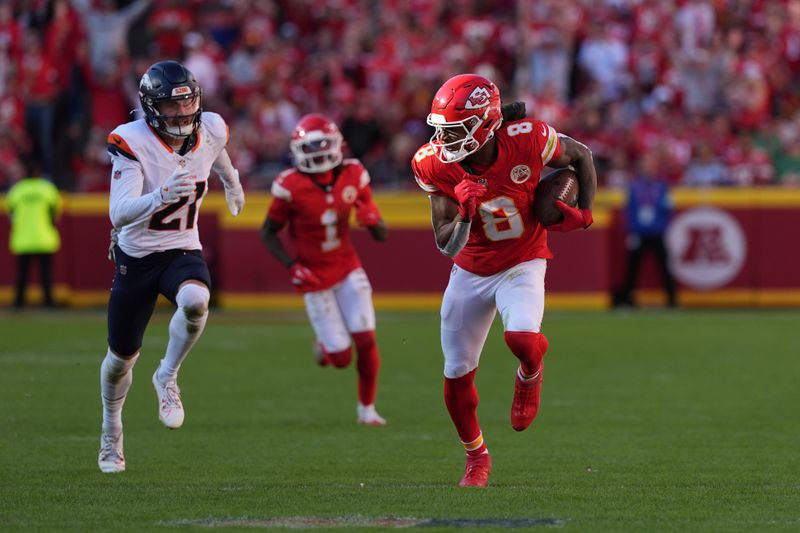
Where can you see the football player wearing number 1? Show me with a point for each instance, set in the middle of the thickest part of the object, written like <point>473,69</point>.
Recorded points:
<point>161,165</point>
<point>480,169</point>
<point>315,200</point>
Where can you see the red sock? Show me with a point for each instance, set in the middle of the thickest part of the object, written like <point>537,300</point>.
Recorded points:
<point>368,364</point>
<point>529,348</point>
<point>340,359</point>
<point>461,398</point>
<point>476,447</point>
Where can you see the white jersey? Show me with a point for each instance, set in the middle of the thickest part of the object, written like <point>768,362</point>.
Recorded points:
<point>142,162</point>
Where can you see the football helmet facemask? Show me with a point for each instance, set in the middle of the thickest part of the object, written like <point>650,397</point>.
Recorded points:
<point>169,81</point>
<point>465,113</point>
<point>316,144</point>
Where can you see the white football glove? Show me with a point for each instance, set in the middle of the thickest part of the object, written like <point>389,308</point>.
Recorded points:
<point>177,186</point>
<point>234,195</point>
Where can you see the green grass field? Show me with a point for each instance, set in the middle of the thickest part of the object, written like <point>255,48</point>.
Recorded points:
<point>649,421</point>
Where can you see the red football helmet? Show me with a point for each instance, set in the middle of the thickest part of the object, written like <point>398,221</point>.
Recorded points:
<point>316,144</point>
<point>465,112</point>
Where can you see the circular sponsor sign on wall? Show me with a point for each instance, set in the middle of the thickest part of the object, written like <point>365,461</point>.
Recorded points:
<point>707,247</point>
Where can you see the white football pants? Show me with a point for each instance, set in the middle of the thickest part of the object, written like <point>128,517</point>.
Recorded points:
<point>343,309</point>
<point>471,301</point>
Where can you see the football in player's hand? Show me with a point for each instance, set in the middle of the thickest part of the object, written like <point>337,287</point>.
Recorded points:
<point>561,184</point>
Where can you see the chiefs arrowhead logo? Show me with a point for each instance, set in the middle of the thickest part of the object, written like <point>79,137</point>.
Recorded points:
<point>520,173</point>
<point>478,98</point>
<point>349,194</point>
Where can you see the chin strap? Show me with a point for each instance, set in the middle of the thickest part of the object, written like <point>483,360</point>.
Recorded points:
<point>188,142</point>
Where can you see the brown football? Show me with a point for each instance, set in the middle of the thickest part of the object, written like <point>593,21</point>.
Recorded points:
<point>561,184</point>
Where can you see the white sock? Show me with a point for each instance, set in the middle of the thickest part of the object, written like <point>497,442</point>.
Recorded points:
<point>116,376</point>
<point>185,328</point>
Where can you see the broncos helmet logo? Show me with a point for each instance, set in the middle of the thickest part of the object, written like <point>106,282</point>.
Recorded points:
<point>146,83</point>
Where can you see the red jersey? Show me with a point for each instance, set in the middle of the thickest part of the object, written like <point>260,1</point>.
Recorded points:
<point>507,232</point>
<point>318,218</point>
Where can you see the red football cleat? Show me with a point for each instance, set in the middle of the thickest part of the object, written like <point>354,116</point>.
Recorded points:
<point>526,401</point>
<point>477,471</point>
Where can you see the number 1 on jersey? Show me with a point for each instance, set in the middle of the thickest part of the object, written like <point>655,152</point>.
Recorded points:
<point>330,221</point>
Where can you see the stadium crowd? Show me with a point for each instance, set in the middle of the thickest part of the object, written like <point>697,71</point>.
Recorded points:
<point>708,86</point>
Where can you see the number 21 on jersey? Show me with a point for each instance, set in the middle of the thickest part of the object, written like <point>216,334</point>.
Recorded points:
<point>158,221</point>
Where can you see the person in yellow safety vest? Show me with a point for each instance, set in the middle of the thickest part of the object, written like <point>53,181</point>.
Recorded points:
<point>34,204</point>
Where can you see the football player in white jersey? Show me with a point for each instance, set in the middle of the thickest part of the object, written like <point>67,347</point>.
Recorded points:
<point>161,165</point>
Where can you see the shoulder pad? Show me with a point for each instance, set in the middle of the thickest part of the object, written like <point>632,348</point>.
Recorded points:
<point>356,166</point>
<point>216,126</point>
<point>118,146</point>
<point>279,190</point>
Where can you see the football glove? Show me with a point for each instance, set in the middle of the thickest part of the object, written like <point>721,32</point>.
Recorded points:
<point>111,245</point>
<point>367,214</point>
<point>303,277</point>
<point>467,193</point>
<point>234,196</point>
<point>574,218</point>
<point>177,186</point>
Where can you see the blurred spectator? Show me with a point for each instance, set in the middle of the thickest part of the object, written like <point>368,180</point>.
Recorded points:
<point>33,204</point>
<point>360,129</point>
<point>39,87</point>
<point>748,92</point>
<point>787,163</point>
<point>701,75</point>
<point>547,106</point>
<point>204,60</point>
<point>11,166</point>
<point>625,76</point>
<point>170,21</point>
<point>647,214</point>
<point>748,164</point>
<point>695,22</point>
<point>790,37</point>
<point>108,30</point>
<point>618,173</point>
<point>605,58</point>
<point>549,63</point>
<point>111,97</point>
<point>784,144</point>
<point>10,45</point>
<point>706,170</point>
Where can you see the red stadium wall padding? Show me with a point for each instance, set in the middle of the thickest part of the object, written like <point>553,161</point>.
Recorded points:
<point>586,267</point>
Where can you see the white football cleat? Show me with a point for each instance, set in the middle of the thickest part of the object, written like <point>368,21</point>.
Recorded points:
<point>369,416</point>
<point>110,459</point>
<point>170,407</point>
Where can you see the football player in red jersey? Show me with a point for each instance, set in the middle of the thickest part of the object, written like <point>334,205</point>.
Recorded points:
<point>480,169</point>
<point>315,199</point>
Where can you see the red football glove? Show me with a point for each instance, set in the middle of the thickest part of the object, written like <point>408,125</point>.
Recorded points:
<point>303,278</point>
<point>574,218</point>
<point>467,193</point>
<point>367,214</point>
